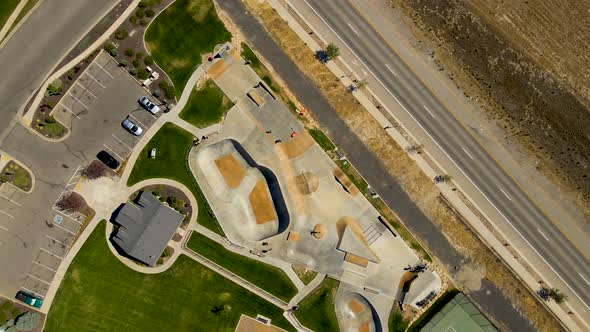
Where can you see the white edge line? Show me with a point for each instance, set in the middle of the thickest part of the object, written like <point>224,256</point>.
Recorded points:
<point>65,229</point>
<point>451,159</point>
<point>116,154</point>
<point>69,110</point>
<point>95,80</point>
<point>136,119</point>
<point>34,293</point>
<point>545,236</point>
<point>4,228</point>
<point>86,89</point>
<point>125,145</point>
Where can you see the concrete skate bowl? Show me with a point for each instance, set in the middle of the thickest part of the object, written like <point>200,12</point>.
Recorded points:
<point>273,186</point>
<point>358,315</point>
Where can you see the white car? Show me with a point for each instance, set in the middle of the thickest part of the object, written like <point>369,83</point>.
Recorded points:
<point>148,105</point>
<point>132,127</point>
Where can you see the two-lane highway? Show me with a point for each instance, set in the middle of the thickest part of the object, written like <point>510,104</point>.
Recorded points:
<point>498,188</point>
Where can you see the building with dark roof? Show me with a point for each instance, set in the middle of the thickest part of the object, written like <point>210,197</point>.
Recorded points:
<point>145,228</point>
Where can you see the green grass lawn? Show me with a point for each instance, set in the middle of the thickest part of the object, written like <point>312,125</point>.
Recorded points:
<point>172,144</point>
<point>304,274</point>
<point>205,106</point>
<point>397,323</point>
<point>6,9</point>
<point>99,293</point>
<point>179,36</point>
<point>249,55</point>
<point>316,311</point>
<point>323,141</point>
<point>267,277</point>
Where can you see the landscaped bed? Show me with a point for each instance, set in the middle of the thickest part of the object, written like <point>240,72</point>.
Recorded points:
<point>16,175</point>
<point>172,144</point>
<point>317,310</point>
<point>267,277</point>
<point>181,34</point>
<point>206,105</point>
<point>99,293</point>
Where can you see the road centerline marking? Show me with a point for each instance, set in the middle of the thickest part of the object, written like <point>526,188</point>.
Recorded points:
<point>391,70</point>
<point>545,236</point>
<point>584,278</point>
<point>505,194</point>
<point>429,112</point>
<point>353,29</point>
<point>467,153</point>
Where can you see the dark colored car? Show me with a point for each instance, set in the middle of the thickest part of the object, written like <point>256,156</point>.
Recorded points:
<point>107,159</point>
<point>29,299</point>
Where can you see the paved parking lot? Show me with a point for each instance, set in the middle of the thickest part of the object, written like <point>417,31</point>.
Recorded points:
<point>34,234</point>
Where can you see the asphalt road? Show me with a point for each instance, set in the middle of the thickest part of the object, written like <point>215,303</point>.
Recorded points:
<point>37,46</point>
<point>455,141</point>
<point>488,296</point>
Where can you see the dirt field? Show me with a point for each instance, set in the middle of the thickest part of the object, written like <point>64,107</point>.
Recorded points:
<point>419,187</point>
<point>232,172</point>
<point>527,62</point>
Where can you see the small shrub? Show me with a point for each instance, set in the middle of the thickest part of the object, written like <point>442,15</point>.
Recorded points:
<point>150,12</point>
<point>142,4</point>
<point>133,71</point>
<point>133,20</point>
<point>129,52</point>
<point>50,119</point>
<point>113,52</point>
<point>71,202</point>
<point>139,55</point>
<point>143,74</point>
<point>123,63</point>
<point>322,56</point>
<point>50,104</point>
<point>148,60</point>
<point>332,50</point>
<point>157,93</point>
<point>121,34</point>
<point>109,47</point>
<point>71,74</point>
<point>54,88</point>
<point>142,22</point>
<point>136,63</point>
<point>140,13</point>
<point>167,88</point>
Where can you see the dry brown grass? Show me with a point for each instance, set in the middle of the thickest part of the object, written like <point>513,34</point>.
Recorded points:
<point>412,179</point>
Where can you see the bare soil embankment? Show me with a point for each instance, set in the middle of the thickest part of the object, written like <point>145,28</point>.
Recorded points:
<point>526,61</point>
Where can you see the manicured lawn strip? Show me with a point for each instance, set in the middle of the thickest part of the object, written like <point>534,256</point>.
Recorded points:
<point>321,138</point>
<point>433,310</point>
<point>205,106</point>
<point>178,37</point>
<point>316,311</point>
<point>172,144</point>
<point>249,55</point>
<point>6,9</point>
<point>99,293</point>
<point>27,8</point>
<point>267,277</point>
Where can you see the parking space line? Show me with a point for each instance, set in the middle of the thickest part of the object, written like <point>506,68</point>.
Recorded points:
<point>101,67</point>
<point>30,291</point>
<point>52,254</point>
<point>117,138</point>
<point>56,240</point>
<point>69,110</point>
<point>43,281</point>
<point>8,199</point>
<point>136,119</point>
<point>65,229</point>
<point>85,89</point>
<point>78,100</point>
<point>44,266</point>
<point>113,152</point>
<point>7,214</point>
<point>4,228</point>
<point>95,80</point>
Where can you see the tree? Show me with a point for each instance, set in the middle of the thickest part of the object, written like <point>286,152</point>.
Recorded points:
<point>148,60</point>
<point>361,84</point>
<point>129,52</point>
<point>27,321</point>
<point>333,51</point>
<point>121,34</point>
<point>54,88</point>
